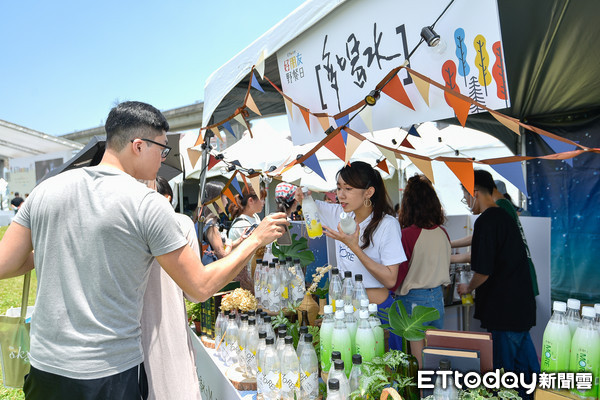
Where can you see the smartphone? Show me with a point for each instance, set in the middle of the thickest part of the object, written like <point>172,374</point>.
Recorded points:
<point>249,231</point>
<point>286,238</point>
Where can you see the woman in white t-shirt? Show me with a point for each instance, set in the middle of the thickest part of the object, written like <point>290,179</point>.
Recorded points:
<point>375,249</point>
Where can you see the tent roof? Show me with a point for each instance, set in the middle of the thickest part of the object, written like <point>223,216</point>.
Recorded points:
<point>17,141</point>
<point>551,59</point>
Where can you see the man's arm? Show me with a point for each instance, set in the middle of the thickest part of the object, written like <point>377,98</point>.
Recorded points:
<point>201,282</point>
<point>476,281</point>
<point>460,258</point>
<point>463,242</point>
<point>16,251</point>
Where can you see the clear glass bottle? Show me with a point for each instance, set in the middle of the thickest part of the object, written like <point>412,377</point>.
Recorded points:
<point>268,327</point>
<point>311,215</point>
<point>290,371</point>
<point>444,388</point>
<point>297,283</point>
<point>347,223</point>
<point>231,341</point>
<point>355,373</point>
<point>375,323</point>
<point>260,352</point>
<point>309,370</point>
<point>274,289</point>
<point>271,372</point>
<point>335,287</point>
<point>251,348</point>
<point>340,374</point>
<point>303,332</point>
<point>242,336</point>
<point>333,390</point>
<point>359,293</point>
<point>257,280</point>
<point>347,288</point>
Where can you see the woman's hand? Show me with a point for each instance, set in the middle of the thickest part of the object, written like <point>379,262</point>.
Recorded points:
<point>349,240</point>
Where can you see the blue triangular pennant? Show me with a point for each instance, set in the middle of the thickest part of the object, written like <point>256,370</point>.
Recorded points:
<point>342,120</point>
<point>227,126</point>
<point>313,163</point>
<point>513,173</point>
<point>413,131</point>
<point>344,136</point>
<point>560,147</point>
<point>254,83</point>
<point>236,185</point>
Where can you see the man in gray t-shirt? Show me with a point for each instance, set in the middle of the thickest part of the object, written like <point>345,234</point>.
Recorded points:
<point>95,232</point>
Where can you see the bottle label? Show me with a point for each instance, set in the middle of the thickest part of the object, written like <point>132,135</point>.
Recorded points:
<point>290,381</point>
<point>272,381</point>
<point>285,293</point>
<point>309,382</point>
<point>297,292</point>
<point>250,360</point>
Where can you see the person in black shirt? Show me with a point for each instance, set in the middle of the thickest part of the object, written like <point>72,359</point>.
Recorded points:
<point>17,201</point>
<point>504,301</point>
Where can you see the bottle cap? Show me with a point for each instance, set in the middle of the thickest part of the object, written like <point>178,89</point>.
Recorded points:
<point>574,304</point>
<point>339,314</point>
<point>231,316</point>
<point>251,313</point>
<point>348,309</point>
<point>358,278</point>
<point>264,314</point>
<point>244,317</point>
<point>559,306</point>
<point>347,274</point>
<point>271,265</point>
<point>289,340</point>
<point>281,326</point>
<point>356,359</point>
<point>296,261</point>
<point>363,314</point>
<point>251,321</point>
<point>227,312</point>
<point>281,333</point>
<point>336,355</point>
<point>262,334</point>
<point>265,263</point>
<point>276,260</point>
<point>444,364</point>
<point>259,260</point>
<point>303,329</point>
<point>328,309</point>
<point>338,365</point>
<point>334,384</point>
<point>335,271</point>
<point>372,307</point>
<point>270,340</point>
<point>339,304</point>
<point>364,303</point>
<point>288,259</point>
<point>267,318</point>
<point>588,312</point>
<point>308,338</point>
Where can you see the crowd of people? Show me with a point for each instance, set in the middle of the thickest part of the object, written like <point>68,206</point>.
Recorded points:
<point>114,262</point>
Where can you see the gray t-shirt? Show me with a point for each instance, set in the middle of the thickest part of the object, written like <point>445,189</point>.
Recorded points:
<point>95,232</point>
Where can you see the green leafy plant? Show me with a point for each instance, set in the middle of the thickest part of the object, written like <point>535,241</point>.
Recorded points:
<point>194,311</point>
<point>294,331</point>
<point>298,249</point>
<point>408,327</point>
<point>322,292</point>
<point>382,372</point>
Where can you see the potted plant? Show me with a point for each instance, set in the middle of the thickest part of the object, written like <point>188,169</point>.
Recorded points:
<point>194,313</point>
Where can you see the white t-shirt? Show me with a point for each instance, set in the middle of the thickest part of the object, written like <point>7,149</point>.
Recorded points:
<point>385,248</point>
<point>243,222</point>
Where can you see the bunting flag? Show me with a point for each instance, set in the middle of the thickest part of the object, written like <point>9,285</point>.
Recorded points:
<point>200,139</point>
<point>460,107</point>
<point>396,91</point>
<point>512,172</point>
<point>236,184</point>
<point>559,147</point>
<point>464,173</point>
<point>245,182</point>
<point>289,166</point>
<point>254,83</point>
<point>324,121</point>
<point>337,146</point>
<point>344,135</point>
<point>306,115</point>
<point>367,116</point>
<point>255,183</point>
<point>217,134</point>
<point>422,87</point>
<point>219,202</point>
<point>212,161</point>
<point>406,143</point>
<point>383,166</point>
<point>228,127</point>
<point>342,121</point>
<point>194,155</point>
<point>290,107</point>
<point>510,123</point>
<point>240,119</point>
<point>389,155</point>
<point>212,208</point>
<point>278,170</point>
<point>260,64</point>
<point>230,196</point>
<point>252,105</point>
<point>424,166</point>
<point>351,146</point>
<point>312,162</point>
<point>413,131</point>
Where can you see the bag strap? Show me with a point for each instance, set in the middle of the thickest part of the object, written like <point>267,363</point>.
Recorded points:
<point>25,298</point>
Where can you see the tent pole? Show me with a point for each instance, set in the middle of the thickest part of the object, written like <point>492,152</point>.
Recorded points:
<point>523,148</point>
<point>206,148</point>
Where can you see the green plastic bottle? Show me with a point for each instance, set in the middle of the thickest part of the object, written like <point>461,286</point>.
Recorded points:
<point>556,345</point>
<point>377,330</point>
<point>365,339</point>
<point>325,338</point>
<point>585,352</point>
<point>341,341</point>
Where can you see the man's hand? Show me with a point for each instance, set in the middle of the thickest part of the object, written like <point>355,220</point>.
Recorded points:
<point>462,289</point>
<point>270,228</point>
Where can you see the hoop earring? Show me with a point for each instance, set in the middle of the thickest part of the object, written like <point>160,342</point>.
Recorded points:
<point>367,202</point>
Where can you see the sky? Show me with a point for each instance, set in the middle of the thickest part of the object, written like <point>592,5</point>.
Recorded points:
<point>65,64</point>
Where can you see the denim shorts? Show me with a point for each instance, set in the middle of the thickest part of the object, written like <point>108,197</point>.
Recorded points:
<point>425,297</point>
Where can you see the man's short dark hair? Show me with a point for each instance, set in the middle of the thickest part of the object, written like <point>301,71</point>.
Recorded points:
<point>484,181</point>
<point>133,119</point>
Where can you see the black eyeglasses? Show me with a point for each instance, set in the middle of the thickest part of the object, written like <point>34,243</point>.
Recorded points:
<point>165,151</point>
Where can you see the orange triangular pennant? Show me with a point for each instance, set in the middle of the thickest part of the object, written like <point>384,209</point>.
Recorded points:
<point>352,144</point>
<point>245,182</point>
<point>460,107</point>
<point>337,146</point>
<point>464,173</point>
<point>200,139</point>
<point>212,161</point>
<point>230,196</point>
<point>396,91</point>
<point>289,166</point>
<point>252,105</point>
<point>194,155</point>
<point>424,166</point>
<point>508,122</point>
<point>306,115</point>
<point>290,107</point>
<point>422,87</point>
<point>383,166</point>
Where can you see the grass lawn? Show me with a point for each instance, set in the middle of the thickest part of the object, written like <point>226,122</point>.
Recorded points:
<point>11,291</point>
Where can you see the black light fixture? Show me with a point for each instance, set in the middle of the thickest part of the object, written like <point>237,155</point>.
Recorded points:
<point>231,168</point>
<point>430,36</point>
<point>329,130</point>
<point>372,97</point>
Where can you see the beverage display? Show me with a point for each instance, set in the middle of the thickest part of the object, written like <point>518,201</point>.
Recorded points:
<point>311,216</point>
<point>347,288</point>
<point>466,299</point>
<point>356,373</point>
<point>273,290</point>
<point>309,370</point>
<point>359,294</point>
<point>290,371</point>
<point>325,336</point>
<point>341,340</point>
<point>260,352</point>
<point>268,327</point>
<point>351,325</point>
<point>231,340</point>
<point>338,373</point>
<point>573,317</point>
<point>271,372</point>
<point>365,338</point>
<point>333,390</point>
<point>303,332</point>
<point>297,284</point>
<point>335,287</point>
<point>347,222</point>
<point>556,345</point>
<point>242,337</point>
<point>377,330</point>
<point>585,352</point>
<point>251,348</point>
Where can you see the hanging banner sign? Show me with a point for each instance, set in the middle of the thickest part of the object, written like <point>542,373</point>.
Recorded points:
<point>339,60</point>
